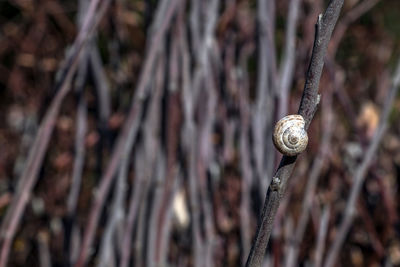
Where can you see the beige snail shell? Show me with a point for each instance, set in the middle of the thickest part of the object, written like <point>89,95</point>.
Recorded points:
<point>289,136</point>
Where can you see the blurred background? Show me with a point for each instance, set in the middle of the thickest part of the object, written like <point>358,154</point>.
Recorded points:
<point>138,132</point>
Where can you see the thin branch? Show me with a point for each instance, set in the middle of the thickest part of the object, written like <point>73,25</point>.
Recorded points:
<point>144,161</point>
<point>101,84</point>
<point>138,193</point>
<point>263,107</point>
<point>287,67</point>
<point>44,252</point>
<point>322,232</point>
<point>327,122</point>
<point>172,123</point>
<point>152,237</point>
<point>81,129</point>
<point>308,107</point>
<point>245,162</point>
<point>81,121</point>
<point>36,155</point>
<point>189,134</point>
<point>116,215</point>
<point>130,129</point>
<point>361,171</point>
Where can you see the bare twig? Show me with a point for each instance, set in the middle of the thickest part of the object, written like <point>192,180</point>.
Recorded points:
<point>203,161</point>
<point>204,144</point>
<point>263,107</point>
<point>116,215</point>
<point>245,163</point>
<point>360,173</point>
<point>101,84</point>
<point>326,126</point>
<point>137,195</point>
<point>145,161</point>
<point>323,230</point>
<point>173,123</point>
<point>308,107</point>
<point>130,129</point>
<point>44,252</point>
<point>198,143</point>
<point>36,155</point>
<point>81,123</point>
<point>152,237</point>
<point>189,134</point>
<point>81,128</point>
<point>287,67</point>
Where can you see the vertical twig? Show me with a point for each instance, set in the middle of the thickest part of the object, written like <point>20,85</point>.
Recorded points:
<point>308,107</point>
<point>189,132</point>
<point>245,164</point>
<point>44,252</point>
<point>199,143</point>
<point>116,214</point>
<point>130,129</point>
<point>326,126</point>
<point>322,232</point>
<point>81,128</point>
<point>152,237</point>
<point>172,124</point>
<point>157,205</point>
<point>145,161</point>
<point>101,85</point>
<point>262,113</point>
<point>289,58</point>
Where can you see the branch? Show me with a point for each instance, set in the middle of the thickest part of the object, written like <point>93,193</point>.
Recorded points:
<point>315,173</point>
<point>287,66</point>
<point>308,107</point>
<point>262,113</point>
<point>131,127</point>
<point>322,232</point>
<point>35,159</point>
<point>145,162</point>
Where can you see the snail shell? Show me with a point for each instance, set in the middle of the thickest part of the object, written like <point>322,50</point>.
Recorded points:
<point>290,137</point>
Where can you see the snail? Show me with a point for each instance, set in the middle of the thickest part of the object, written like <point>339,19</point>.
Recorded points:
<point>289,136</point>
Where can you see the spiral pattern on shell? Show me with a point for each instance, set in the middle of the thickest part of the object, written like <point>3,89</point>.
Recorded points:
<point>290,137</point>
